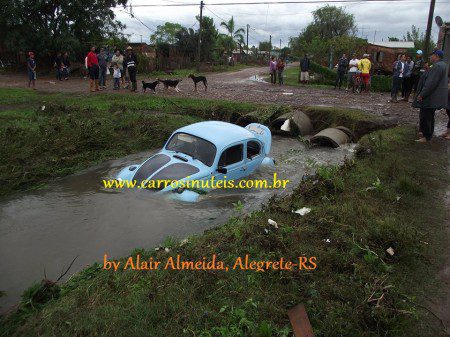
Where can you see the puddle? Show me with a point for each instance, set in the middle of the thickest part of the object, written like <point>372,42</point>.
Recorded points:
<point>42,231</point>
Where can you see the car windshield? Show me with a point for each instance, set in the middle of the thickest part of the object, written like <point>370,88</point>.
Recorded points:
<point>193,146</point>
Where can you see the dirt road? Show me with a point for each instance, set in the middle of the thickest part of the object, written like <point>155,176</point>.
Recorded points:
<point>245,85</point>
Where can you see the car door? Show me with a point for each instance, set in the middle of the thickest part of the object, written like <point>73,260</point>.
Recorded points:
<point>232,159</point>
<point>254,155</point>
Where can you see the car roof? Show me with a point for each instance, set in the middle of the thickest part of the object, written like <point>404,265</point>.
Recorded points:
<point>219,133</point>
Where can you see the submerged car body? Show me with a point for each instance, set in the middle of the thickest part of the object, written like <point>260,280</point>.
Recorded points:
<point>204,150</point>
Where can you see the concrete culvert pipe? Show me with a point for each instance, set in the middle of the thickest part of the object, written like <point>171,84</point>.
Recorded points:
<point>293,123</point>
<point>331,137</point>
<point>348,132</point>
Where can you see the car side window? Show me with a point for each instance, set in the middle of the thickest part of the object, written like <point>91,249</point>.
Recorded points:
<point>253,149</point>
<point>232,155</point>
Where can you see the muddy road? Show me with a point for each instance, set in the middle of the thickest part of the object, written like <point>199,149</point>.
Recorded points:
<point>243,85</point>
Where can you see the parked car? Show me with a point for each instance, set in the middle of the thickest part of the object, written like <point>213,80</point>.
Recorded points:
<point>202,151</point>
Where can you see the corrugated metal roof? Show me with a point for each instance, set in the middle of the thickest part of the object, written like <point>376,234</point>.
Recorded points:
<point>394,44</point>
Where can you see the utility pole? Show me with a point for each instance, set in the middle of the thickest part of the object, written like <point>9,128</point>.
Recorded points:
<point>270,46</point>
<point>199,36</point>
<point>428,32</point>
<point>141,39</point>
<point>246,56</point>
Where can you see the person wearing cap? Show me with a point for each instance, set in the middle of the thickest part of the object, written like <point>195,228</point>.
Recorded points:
<point>92,64</point>
<point>130,63</point>
<point>417,71</point>
<point>365,66</point>
<point>432,94</point>
<point>31,66</point>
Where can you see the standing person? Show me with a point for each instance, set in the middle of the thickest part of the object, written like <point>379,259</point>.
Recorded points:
<point>273,70</point>
<point>446,134</point>
<point>66,65</point>
<point>102,58</point>
<point>397,77</point>
<point>418,70</point>
<point>58,66</point>
<point>304,70</point>
<point>31,66</point>
<point>280,68</point>
<point>364,65</point>
<point>432,94</point>
<point>342,66</point>
<point>131,64</point>
<point>92,64</point>
<point>407,78</point>
<point>117,75</point>
<point>118,59</point>
<point>352,70</point>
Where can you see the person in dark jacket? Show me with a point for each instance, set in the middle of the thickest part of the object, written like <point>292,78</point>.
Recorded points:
<point>432,94</point>
<point>58,66</point>
<point>130,63</point>
<point>446,134</point>
<point>304,70</point>
<point>102,58</point>
<point>418,70</point>
<point>66,65</point>
<point>397,78</point>
<point>341,69</point>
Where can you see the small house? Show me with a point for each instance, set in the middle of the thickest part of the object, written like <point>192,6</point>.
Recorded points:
<point>384,53</point>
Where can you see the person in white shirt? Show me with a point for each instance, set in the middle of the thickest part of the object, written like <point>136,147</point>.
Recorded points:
<point>117,75</point>
<point>352,70</point>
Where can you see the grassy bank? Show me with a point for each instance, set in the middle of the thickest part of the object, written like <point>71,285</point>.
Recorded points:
<point>384,198</point>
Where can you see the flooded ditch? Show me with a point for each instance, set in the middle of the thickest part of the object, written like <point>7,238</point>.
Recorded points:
<point>43,230</point>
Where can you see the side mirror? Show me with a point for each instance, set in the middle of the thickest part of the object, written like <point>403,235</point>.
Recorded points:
<point>222,170</point>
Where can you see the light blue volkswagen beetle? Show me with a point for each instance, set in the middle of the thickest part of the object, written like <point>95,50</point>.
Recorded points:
<point>204,151</point>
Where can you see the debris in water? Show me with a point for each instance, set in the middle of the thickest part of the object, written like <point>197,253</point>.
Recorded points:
<point>43,108</point>
<point>273,223</point>
<point>390,251</point>
<point>302,211</point>
<point>286,125</point>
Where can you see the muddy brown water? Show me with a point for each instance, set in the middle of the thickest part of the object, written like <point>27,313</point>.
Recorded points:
<point>42,231</point>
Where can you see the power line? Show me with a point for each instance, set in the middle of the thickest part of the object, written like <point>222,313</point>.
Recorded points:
<point>272,3</point>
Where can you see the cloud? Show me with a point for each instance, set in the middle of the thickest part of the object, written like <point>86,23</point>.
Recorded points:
<point>375,20</point>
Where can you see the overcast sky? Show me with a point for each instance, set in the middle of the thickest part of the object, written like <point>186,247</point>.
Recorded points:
<point>375,20</point>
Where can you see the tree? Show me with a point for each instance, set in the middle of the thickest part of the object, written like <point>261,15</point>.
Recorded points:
<point>394,39</point>
<point>418,38</point>
<point>331,32</point>
<point>236,35</point>
<point>209,38</point>
<point>65,25</point>
<point>166,33</point>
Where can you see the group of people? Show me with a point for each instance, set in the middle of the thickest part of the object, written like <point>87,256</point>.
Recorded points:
<point>62,66</point>
<point>353,68</point>
<point>406,75</point>
<point>276,69</point>
<point>99,65</point>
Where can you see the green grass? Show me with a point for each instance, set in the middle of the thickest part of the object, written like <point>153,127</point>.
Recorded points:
<point>384,198</point>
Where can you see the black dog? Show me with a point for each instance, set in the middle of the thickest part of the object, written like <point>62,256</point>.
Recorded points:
<point>197,79</point>
<point>149,85</point>
<point>170,84</point>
